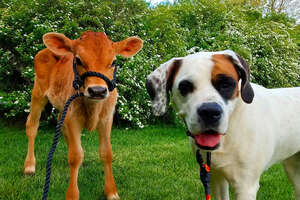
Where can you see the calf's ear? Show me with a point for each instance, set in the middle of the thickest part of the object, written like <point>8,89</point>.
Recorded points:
<point>58,43</point>
<point>128,47</point>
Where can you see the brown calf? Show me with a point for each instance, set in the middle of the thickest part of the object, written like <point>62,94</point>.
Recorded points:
<point>53,82</point>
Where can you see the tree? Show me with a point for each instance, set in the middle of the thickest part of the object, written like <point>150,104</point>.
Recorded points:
<point>290,7</point>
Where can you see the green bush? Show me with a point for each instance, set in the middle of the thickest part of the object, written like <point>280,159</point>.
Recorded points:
<point>268,43</point>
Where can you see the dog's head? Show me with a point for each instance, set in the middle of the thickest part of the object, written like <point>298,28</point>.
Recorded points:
<point>205,88</point>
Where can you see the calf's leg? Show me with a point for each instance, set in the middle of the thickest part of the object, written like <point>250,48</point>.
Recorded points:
<point>38,102</point>
<point>75,156</point>
<point>105,151</point>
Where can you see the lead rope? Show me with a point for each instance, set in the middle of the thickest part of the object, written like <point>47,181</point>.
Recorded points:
<point>77,83</point>
<point>204,168</point>
<point>54,144</point>
<point>204,172</point>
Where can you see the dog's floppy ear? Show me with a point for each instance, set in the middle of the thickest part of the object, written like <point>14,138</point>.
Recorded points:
<point>243,70</point>
<point>160,82</point>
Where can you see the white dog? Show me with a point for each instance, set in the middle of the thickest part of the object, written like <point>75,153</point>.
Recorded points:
<point>245,133</point>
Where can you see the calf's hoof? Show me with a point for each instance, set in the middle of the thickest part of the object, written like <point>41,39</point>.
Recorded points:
<point>113,197</point>
<point>30,170</point>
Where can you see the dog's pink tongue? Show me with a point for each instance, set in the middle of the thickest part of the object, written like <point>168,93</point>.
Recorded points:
<point>207,140</point>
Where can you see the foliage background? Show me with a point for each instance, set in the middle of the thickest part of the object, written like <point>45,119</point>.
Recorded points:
<point>268,41</point>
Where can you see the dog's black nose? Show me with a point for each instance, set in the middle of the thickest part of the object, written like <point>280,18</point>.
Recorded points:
<point>99,92</point>
<point>210,113</point>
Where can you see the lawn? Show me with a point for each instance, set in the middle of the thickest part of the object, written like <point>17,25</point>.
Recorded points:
<point>152,163</point>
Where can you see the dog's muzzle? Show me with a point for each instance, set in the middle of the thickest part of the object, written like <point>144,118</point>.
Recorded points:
<point>210,114</point>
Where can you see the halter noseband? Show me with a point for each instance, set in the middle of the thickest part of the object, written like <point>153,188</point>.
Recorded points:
<point>79,80</point>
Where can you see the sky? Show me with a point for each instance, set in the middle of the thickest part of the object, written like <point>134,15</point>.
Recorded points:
<point>155,2</point>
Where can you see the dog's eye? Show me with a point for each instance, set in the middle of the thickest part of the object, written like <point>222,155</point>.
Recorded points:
<point>225,86</point>
<point>113,64</point>
<point>185,87</point>
<point>78,61</point>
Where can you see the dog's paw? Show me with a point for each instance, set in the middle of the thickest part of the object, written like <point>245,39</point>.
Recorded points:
<point>113,197</point>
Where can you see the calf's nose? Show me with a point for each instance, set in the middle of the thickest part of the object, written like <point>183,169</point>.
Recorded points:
<point>97,91</point>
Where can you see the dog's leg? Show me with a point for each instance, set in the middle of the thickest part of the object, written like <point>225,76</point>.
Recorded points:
<point>38,103</point>
<point>246,188</point>
<point>292,168</point>
<point>75,156</point>
<point>244,181</point>
<point>220,186</point>
<point>106,158</point>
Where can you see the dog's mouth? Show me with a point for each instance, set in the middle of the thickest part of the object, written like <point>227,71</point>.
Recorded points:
<point>209,140</point>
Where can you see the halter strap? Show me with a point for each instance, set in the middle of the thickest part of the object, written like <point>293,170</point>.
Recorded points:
<point>79,80</point>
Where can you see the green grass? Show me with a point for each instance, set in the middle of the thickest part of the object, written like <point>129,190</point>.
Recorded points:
<point>152,163</point>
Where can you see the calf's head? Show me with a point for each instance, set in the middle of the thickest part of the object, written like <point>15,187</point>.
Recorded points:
<point>205,88</point>
<point>93,51</point>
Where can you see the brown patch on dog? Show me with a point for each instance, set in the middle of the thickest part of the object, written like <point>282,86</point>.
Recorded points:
<point>225,67</point>
<point>172,72</point>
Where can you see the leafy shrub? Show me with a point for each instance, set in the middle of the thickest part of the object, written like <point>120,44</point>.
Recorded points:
<point>266,42</point>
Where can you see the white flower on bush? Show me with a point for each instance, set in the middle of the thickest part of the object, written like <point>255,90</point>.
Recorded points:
<point>140,124</point>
